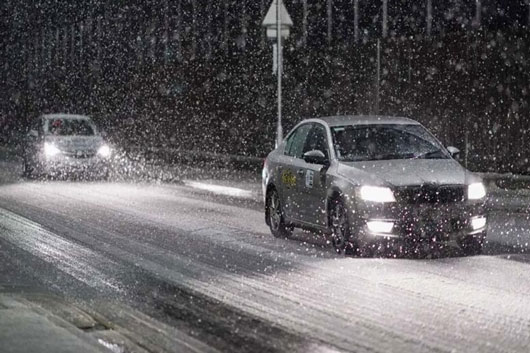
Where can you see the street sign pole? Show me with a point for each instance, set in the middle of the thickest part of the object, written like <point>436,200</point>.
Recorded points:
<point>279,130</point>
<point>378,78</point>
<point>278,24</point>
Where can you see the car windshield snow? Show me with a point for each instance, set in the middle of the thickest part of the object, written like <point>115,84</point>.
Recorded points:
<point>383,142</point>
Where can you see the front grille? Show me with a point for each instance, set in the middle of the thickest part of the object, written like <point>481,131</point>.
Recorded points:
<point>431,194</point>
<point>81,154</point>
<point>444,225</point>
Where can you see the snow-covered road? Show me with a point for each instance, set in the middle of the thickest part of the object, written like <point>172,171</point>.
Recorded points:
<point>155,246</point>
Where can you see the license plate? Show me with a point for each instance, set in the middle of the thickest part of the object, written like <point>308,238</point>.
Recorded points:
<point>431,228</point>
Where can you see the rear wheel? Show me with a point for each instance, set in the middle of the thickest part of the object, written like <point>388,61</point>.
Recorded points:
<point>275,217</point>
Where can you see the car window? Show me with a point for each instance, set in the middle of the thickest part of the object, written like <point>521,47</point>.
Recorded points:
<point>317,140</point>
<point>289,142</point>
<point>296,142</point>
<point>70,127</point>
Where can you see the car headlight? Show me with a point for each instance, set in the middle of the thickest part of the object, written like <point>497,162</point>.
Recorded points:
<point>377,194</point>
<point>476,191</point>
<point>50,150</point>
<point>104,151</point>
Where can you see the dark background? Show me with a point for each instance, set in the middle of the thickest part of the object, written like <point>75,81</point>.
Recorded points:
<point>197,75</point>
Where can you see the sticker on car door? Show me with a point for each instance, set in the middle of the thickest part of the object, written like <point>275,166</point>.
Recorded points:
<point>288,178</point>
<point>309,178</point>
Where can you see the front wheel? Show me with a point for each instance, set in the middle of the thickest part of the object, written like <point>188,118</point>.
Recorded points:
<point>275,217</point>
<point>340,228</point>
<point>29,169</point>
<point>105,176</point>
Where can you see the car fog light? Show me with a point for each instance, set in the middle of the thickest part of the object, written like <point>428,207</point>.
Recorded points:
<point>478,223</point>
<point>380,226</point>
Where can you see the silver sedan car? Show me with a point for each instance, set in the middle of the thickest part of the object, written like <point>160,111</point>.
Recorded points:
<point>59,144</point>
<point>372,182</point>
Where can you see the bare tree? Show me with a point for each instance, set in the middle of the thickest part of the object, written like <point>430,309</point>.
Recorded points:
<point>166,32</point>
<point>429,17</point>
<point>356,20</point>
<point>528,4</point>
<point>244,25</point>
<point>330,19</point>
<point>478,10</point>
<point>385,19</point>
<point>304,22</point>
<point>194,11</point>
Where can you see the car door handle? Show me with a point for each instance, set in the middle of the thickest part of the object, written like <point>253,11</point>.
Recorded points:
<point>300,172</point>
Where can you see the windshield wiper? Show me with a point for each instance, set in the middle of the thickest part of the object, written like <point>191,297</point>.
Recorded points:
<point>429,154</point>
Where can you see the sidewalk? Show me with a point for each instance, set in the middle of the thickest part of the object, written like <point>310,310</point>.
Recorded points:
<point>35,322</point>
<point>27,328</point>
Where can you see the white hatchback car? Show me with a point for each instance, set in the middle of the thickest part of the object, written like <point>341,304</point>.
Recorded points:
<point>59,144</point>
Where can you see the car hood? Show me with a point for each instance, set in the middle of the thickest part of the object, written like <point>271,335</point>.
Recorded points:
<point>76,143</point>
<point>406,172</point>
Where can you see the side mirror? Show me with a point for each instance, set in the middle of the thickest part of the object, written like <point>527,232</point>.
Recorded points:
<point>33,133</point>
<point>316,157</point>
<point>455,152</point>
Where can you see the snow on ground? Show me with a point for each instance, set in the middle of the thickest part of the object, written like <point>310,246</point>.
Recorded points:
<point>223,250</point>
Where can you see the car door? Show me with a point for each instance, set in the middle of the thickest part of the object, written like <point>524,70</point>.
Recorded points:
<point>313,190</point>
<point>290,178</point>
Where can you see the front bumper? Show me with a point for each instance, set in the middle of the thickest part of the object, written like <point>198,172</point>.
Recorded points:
<point>451,222</point>
<point>69,165</point>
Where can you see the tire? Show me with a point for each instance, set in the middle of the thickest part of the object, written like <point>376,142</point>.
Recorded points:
<point>472,246</point>
<point>340,228</point>
<point>106,176</point>
<point>29,170</point>
<point>275,217</point>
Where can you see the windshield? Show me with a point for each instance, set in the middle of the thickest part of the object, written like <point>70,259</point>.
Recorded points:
<point>69,127</point>
<point>381,142</point>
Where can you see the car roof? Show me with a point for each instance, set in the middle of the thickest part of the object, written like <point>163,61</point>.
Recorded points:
<point>66,116</point>
<point>365,120</point>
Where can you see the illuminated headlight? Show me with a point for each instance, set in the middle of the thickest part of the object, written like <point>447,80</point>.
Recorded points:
<point>380,226</point>
<point>104,151</point>
<point>377,194</point>
<point>478,223</point>
<point>476,191</point>
<point>50,150</point>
